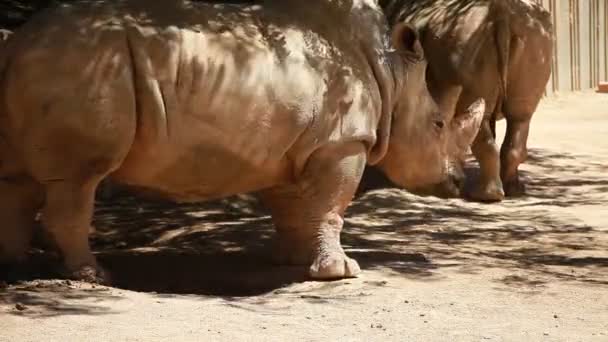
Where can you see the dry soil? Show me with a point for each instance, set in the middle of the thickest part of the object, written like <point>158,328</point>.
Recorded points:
<point>527,269</point>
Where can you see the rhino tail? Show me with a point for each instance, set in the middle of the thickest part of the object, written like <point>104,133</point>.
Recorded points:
<point>503,47</point>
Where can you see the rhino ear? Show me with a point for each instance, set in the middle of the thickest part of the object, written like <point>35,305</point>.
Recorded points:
<point>406,39</point>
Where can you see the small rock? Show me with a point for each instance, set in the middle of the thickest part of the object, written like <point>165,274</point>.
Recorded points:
<point>20,307</point>
<point>422,315</point>
<point>407,302</point>
<point>554,316</point>
<point>68,283</point>
<point>310,297</point>
<point>546,334</point>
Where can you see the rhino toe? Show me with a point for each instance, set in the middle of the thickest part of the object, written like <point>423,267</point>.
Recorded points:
<point>490,192</point>
<point>334,266</point>
<point>91,274</point>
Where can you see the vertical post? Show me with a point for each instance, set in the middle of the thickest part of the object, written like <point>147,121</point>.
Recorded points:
<point>554,17</point>
<point>605,16</point>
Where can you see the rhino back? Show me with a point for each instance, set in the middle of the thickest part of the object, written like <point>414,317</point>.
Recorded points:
<point>217,91</point>
<point>477,45</point>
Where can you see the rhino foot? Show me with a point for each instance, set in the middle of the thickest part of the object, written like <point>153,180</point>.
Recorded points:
<point>515,188</point>
<point>90,274</point>
<point>488,192</point>
<point>335,265</point>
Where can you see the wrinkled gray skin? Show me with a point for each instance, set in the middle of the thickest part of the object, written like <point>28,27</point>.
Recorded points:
<point>499,50</point>
<point>195,101</point>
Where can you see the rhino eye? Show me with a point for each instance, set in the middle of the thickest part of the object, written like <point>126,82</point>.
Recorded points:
<point>439,124</point>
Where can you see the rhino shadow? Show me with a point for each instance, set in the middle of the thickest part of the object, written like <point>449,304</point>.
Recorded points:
<point>222,247</point>
<point>214,248</point>
<point>46,299</point>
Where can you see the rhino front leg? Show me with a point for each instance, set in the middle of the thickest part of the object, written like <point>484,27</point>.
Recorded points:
<point>308,215</point>
<point>489,186</point>
<point>67,216</point>
<point>513,152</point>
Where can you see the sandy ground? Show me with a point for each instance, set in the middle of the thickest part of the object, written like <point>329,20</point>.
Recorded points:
<point>528,269</point>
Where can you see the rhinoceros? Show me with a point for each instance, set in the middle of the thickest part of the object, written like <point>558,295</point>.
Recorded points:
<point>193,101</point>
<point>499,50</point>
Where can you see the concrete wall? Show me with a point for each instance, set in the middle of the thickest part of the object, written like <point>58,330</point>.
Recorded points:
<point>581,44</point>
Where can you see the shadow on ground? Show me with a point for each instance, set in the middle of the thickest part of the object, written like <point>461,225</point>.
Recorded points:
<point>221,248</point>
<point>43,299</point>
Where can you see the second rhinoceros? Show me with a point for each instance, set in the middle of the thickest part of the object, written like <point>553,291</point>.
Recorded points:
<point>193,101</point>
<point>499,50</point>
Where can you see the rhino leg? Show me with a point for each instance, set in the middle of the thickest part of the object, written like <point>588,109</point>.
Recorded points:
<point>20,200</point>
<point>67,216</point>
<point>308,215</point>
<point>489,186</point>
<point>512,153</point>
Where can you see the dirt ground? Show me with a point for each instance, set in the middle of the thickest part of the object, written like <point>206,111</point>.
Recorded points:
<point>527,269</point>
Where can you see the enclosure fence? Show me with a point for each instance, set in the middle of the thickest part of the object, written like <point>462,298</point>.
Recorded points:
<point>581,44</point>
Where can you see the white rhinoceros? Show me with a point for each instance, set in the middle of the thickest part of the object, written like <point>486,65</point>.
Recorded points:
<point>194,101</point>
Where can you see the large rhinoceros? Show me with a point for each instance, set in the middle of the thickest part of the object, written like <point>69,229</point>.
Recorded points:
<point>193,101</point>
<point>500,50</point>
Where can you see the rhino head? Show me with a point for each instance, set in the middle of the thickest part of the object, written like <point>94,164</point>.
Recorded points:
<point>423,140</point>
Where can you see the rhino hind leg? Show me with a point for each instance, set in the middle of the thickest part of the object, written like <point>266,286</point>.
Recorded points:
<point>489,187</point>
<point>66,216</point>
<point>308,215</point>
<point>512,153</point>
<point>20,200</point>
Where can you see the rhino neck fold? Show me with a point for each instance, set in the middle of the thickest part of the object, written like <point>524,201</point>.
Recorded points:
<point>396,70</point>
<point>385,80</point>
